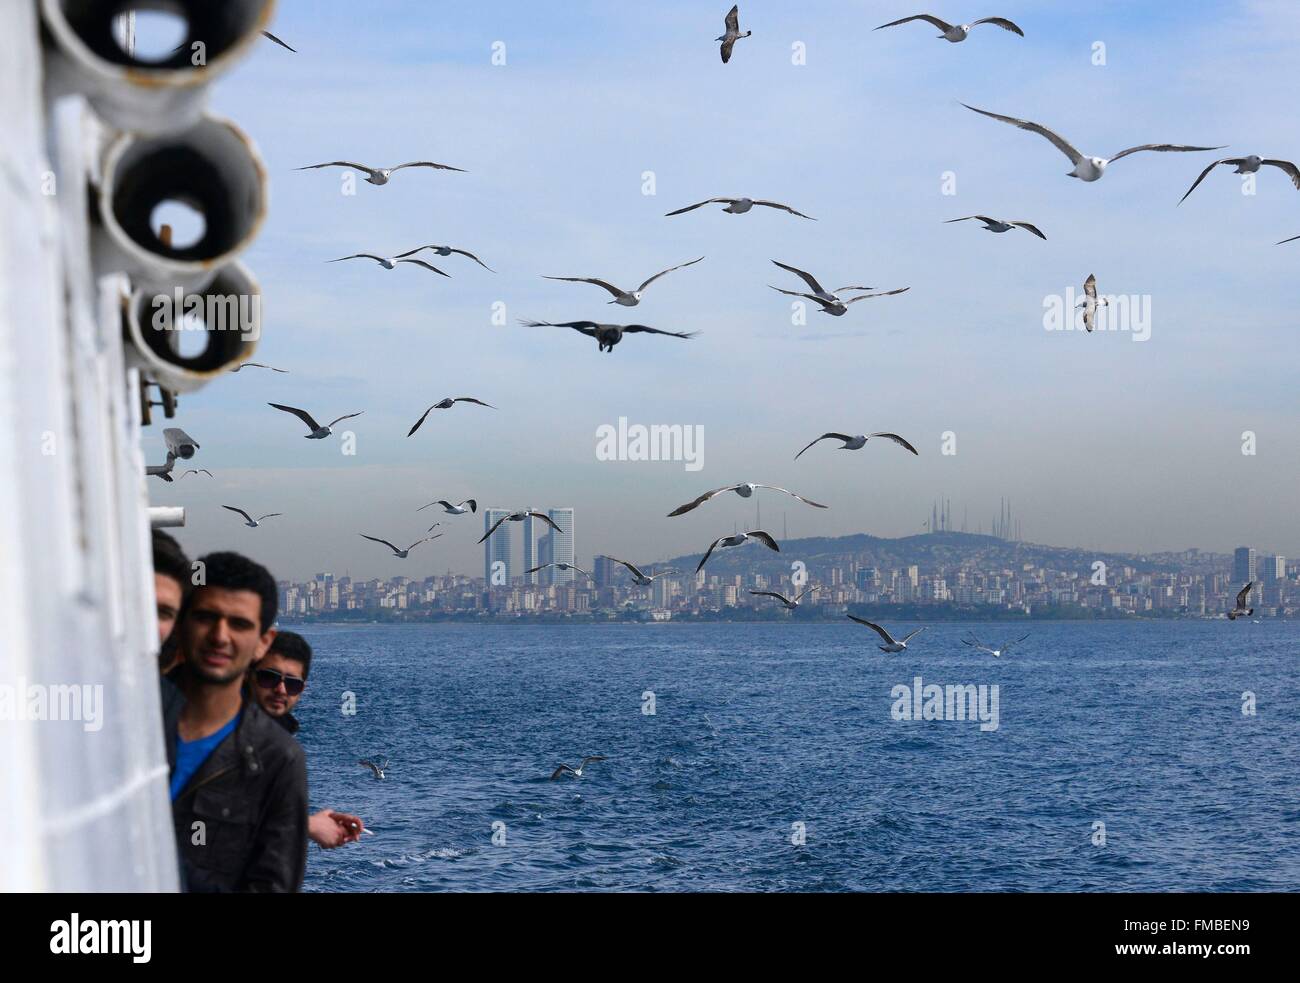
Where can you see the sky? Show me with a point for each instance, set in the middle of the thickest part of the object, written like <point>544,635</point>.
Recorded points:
<point>1100,441</point>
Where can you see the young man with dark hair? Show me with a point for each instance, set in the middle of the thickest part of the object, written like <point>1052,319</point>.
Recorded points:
<point>277,683</point>
<point>238,780</point>
<point>171,580</point>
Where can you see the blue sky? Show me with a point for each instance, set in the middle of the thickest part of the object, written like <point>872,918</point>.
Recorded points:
<point>1101,442</point>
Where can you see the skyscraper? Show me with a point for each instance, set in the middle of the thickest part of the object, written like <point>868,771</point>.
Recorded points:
<point>603,571</point>
<point>561,544</point>
<point>1274,569</point>
<point>1243,564</point>
<point>530,550</point>
<point>496,549</point>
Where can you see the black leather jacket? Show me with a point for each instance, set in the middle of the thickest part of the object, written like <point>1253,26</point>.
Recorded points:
<point>250,796</point>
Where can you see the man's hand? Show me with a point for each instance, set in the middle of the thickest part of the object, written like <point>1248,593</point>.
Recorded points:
<point>329,829</point>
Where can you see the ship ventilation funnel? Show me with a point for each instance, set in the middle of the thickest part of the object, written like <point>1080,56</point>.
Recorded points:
<point>160,82</point>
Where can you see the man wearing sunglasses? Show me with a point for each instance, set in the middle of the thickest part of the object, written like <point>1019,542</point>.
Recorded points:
<point>278,680</point>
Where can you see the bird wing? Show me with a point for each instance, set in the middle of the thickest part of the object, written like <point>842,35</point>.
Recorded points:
<point>302,415</point>
<point>643,329</point>
<point>670,269</point>
<point>1163,148</point>
<point>466,252</point>
<point>709,552</point>
<point>542,566</point>
<point>914,632</point>
<point>733,19</point>
<point>374,539</point>
<point>1210,167</point>
<point>269,515</point>
<point>1243,594</point>
<point>1061,144</point>
<point>496,525</point>
<point>941,25</point>
<point>547,520</point>
<point>889,639</point>
<point>428,163</point>
<point>825,436</point>
<point>796,293</point>
<point>588,279</point>
<point>442,501</point>
<point>248,517</point>
<point>348,416</point>
<point>272,37</point>
<point>1001,22</point>
<point>966,218</point>
<point>771,593</point>
<point>787,491</point>
<point>560,771</point>
<point>424,540</point>
<point>898,440</point>
<point>586,327</point>
<point>764,538</point>
<point>471,399</point>
<point>427,266</point>
<point>1028,227</point>
<point>727,44</point>
<point>473,505</point>
<point>259,365</point>
<point>371,765</point>
<point>784,208</point>
<point>1292,171</point>
<point>972,641</point>
<point>696,503</point>
<point>1090,286</point>
<point>377,259</point>
<point>886,293</point>
<point>807,278</point>
<point>1285,241</point>
<point>710,201</point>
<point>417,427</point>
<point>592,757</point>
<point>337,163</point>
<point>630,566</point>
<point>803,593</point>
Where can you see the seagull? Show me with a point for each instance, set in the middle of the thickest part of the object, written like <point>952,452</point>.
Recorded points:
<point>248,519</point>
<point>639,578</point>
<point>957,32</point>
<point>576,772</point>
<point>197,471</point>
<point>1240,610</point>
<point>1247,165</point>
<point>739,206</point>
<point>607,335</point>
<point>447,251</point>
<point>446,404</point>
<point>1085,168</point>
<point>563,566</point>
<point>725,542</point>
<point>452,509</point>
<point>390,264</point>
<point>1006,646</point>
<point>259,365</point>
<point>317,431</point>
<point>745,489</point>
<point>1090,303</point>
<point>379,175</point>
<point>790,604</point>
<point>400,554</point>
<point>1285,241</point>
<point>858,442</point>
<point>627,298</point>
<point>830,302</point>
<point>376,769</point>
<point>733,33</point>
<point>998,225</point>
<point>519,517</point>
<point>272,37</point>
<point>891,644</point>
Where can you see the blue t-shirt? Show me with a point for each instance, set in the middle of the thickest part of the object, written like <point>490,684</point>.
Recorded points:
<point>190,755</point>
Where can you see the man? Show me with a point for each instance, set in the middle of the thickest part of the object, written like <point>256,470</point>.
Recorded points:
<point>238,780</point>
<point>277,682</point>
<point>171,576</point>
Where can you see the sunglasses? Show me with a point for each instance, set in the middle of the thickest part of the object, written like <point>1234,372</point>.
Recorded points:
<point>271,678</point>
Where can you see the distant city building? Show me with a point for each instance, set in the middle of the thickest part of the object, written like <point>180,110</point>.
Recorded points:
<point>603,571</point>
<point>530,550</point>
<point>496,549</point>
<point>1243,564</point>
<point>561,545</point>
<point>1274,569</point>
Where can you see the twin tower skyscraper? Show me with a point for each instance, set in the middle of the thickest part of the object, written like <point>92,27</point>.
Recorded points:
<point>541,544</point>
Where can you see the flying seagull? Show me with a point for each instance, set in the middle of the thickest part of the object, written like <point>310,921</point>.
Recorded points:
<point>858,442</point>
<point>739,206</point>
<point>562,566</point>
<point>248,519</point>
<point>259,365</point>
<point>733,33</point>
<point>380,175</point>
<point>1085,168</point>
<point>830,302</point>
<point>998,225</point>
<point>725,542</point>
<point>639,578</point>
<point>446,404</point>
<point>790,603</point>
<point>272,37</point>
<point>891,644</point>
<point>390,263</point>
<point>400,554</point>
<point>957,32</point>
<point>197,471</point>
<point>975,643</point>
<point>745,489</point>
<point>519,517</point>
<point>1247,165</point>
<point>452,509</point>
<point>1090,303</point>
<point>376,768</point>
<point>576,772</point>
<point>317,432</point>
<point>607,335</point>
<point>447,251</point>
<point>1240,610</point>
<point>627,298</point>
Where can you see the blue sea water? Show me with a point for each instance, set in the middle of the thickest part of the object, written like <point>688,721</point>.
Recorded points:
<point>759,727</point>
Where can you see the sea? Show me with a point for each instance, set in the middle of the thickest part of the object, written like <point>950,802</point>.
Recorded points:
<point>1123,756</point>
